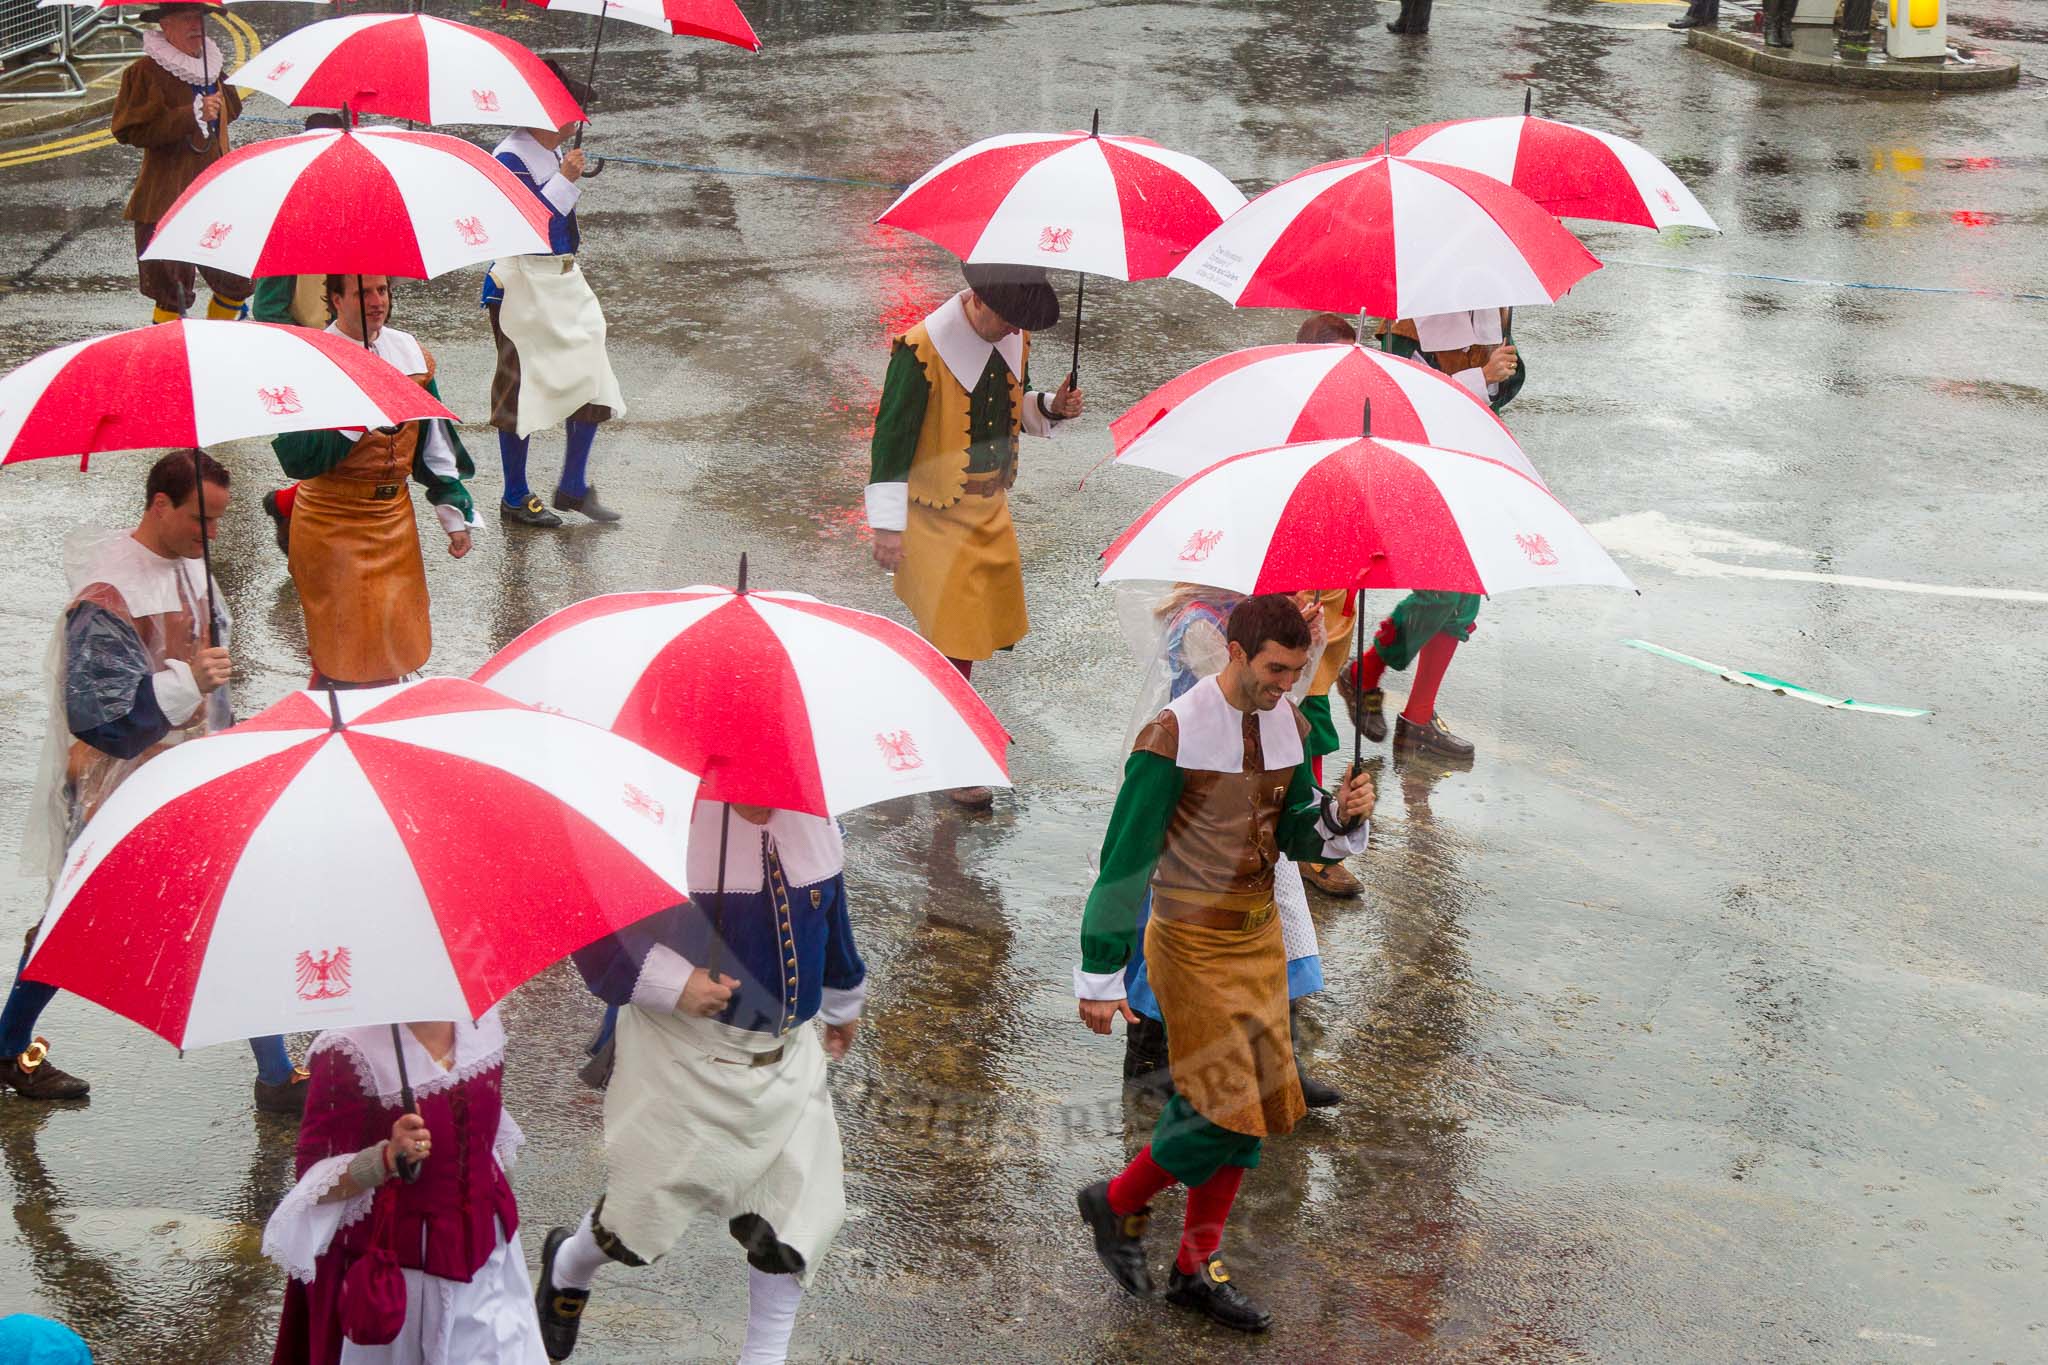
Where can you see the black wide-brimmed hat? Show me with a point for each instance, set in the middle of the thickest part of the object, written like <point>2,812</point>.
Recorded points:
<point>155,13</point>
<point>578,90</point>
<point>1018,293</point>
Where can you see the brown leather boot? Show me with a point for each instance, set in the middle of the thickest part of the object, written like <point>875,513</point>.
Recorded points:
<point>1432,739</point>
<point>1332,879</point>
<point>33,1077</point>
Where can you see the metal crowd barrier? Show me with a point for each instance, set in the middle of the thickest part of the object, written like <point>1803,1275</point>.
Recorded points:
<point>50,37</point>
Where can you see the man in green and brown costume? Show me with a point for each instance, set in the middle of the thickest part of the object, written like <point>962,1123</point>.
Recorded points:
<point>1216,790</point>
<point>957,395</point>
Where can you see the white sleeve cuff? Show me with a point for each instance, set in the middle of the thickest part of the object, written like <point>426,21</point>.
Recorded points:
<point>177,695</point>
<point>561,193</point>
<point>1473,379</point>
<point>888,506</point>
<point>1339,846</point>
<point>842,1006</point>
<point>1099,985</point>
<point>452,520</point>
<point>662,978</point>
<point>1035,422</point>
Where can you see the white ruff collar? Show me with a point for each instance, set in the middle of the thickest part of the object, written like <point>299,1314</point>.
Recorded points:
<point>540,163</point>
<point>188,69</point>
<point>808,846</point>
<point>1212,732</point>
<point>390,344</point>
<point>963,350</point>
<point>478,1048</point>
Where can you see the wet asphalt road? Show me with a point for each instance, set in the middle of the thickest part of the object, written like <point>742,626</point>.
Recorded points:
<point>1691,1024</point>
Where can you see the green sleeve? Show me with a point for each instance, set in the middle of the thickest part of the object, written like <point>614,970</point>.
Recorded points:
<point>1298,836</point>
<point>905,392</point>
<point>443,491</point>
<point>305,454</point>
<point>1130,849</point>
<point>272,301</point>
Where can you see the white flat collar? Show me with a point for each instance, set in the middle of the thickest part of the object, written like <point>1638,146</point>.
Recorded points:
<point>1212,731</point>
<point>399,348</point>
<point>540,162</point>
<point>963,350</point>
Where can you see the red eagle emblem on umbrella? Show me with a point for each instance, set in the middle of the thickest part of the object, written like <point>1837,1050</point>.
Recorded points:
<point>1200,545</point>
<point>280,402</point>
<point>278,70</point>
<point>899,751</point>
<point>323,976</point>
<point>486,101</point>
<point>640,803</point>
<point>215,234</point>
<point>472,230</point>
<point>1537,549</point>
<point>1055,239</point>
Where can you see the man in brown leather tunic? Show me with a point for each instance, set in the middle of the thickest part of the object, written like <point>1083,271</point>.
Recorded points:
<point>1217,788</point>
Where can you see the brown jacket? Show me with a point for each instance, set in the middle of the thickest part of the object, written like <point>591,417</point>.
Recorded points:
<point>153,111</point>
<point>1222,842</point>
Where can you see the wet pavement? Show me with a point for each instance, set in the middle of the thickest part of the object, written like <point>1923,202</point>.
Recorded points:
<point>1689,1024</point>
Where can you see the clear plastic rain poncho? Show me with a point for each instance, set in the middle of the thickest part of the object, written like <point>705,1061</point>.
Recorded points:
<point>1176,635</point>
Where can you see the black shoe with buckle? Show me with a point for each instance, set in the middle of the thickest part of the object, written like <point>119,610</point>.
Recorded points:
<point>1210,1292</point>
<point>286,1096</point>
<point>1432,739</point>
<point>528,513</point>
<point>560,1310</point>
<point>32,1076</point>
<point>280,524</point>
<point>1119,1239</point>
<point>585,502</point>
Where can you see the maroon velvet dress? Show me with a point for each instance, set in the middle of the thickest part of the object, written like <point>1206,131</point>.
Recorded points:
<point>447,1224</point>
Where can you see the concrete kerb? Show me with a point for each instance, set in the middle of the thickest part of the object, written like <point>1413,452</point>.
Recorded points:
<point>28,117</point>
<point>1978,69</point>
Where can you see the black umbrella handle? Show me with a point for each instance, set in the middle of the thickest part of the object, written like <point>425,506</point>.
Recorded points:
<point>408,1169</point>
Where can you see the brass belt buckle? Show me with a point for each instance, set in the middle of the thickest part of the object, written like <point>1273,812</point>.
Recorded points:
<point>1256,919</point>
<point>568,264</point>
<point>385,490</point>
<point>766,1058</point>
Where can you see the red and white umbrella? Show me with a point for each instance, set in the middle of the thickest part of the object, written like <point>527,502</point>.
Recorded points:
<point>1124,207</point>
<point>363,857</point>
<point>1573,172</point>
<point>718,20</point>
<point>411,66</point>
<point>778,699</point>
<point>1391,238</point>
<point>367,201</point>
<point>1361,513</point>
<point>1274,395</point>
<point>198,384</point>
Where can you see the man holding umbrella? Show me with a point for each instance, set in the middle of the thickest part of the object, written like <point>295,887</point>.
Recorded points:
<point>133,670</point>
<point>1216,789</point>
<point>550,332</point>
<point>954,400</point>
<point>175,107</point>
<point>717,1105</point>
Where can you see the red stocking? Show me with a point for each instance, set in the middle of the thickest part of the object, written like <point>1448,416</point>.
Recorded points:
<point>1134,1188</point>
<point>1430,662</point>
<point>1208,1208</point>
<point>966,666</point>
<point>1367,669</point>
<point>284,497</point>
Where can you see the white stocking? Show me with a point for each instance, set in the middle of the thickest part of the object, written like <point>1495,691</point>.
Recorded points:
<point>771,1317</point>
<point>578,1260</point>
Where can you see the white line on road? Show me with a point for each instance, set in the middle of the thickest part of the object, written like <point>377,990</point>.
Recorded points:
<point>1683,549</point>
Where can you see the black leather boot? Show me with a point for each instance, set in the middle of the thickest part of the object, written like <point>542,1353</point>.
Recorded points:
<point>1400,24</point>
<point>1145,1059</point>
<point>1418,18</point>
<point>1314,1093</point>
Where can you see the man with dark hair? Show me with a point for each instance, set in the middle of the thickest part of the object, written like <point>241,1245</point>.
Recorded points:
<point>133,669</point>
<point>550,333</point>
<point>354,549</point>
<point>944,456</point>
<point>1217,787</point>
<point>174,105</point>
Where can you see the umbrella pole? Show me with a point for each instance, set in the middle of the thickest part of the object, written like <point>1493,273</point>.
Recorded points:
<point>205,553</point>
<point>724,831</point>
<point>1081,285</point>
<point>591,80</point>
<point>408,1169</point>
<point>363,316</point>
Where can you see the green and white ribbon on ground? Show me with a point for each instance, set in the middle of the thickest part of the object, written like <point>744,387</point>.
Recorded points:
<point>1771,684</point>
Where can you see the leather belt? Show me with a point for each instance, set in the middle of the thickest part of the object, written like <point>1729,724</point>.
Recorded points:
<point>988,485</point>
<point>1212,916</point>
<point>757,1059</point>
